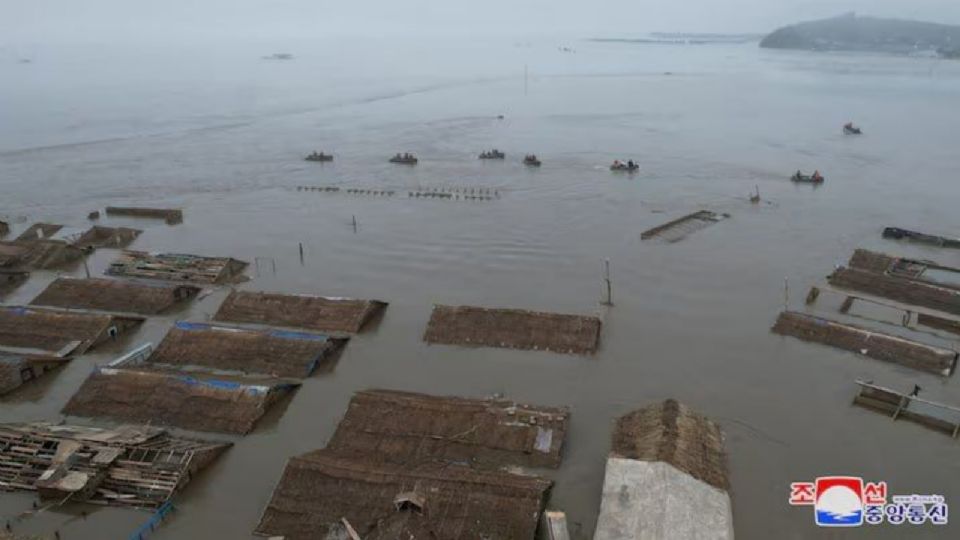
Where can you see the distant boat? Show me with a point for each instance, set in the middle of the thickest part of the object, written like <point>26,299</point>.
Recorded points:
<point>531,160</point>
<point>319,156</point>
<point>807,178</point>
<point>620,166</point>
<point>493,154</point>
<point>849,129</point>
<point>279,56</point>
<point>405,159</point>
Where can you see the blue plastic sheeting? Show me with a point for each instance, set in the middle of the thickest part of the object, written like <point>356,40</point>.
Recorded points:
<point>284,334</point>
<point>184,325</point>
<point>18,310</point>
<point>221,385</point>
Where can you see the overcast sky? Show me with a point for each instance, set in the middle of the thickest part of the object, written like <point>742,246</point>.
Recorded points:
<point>38,21</point>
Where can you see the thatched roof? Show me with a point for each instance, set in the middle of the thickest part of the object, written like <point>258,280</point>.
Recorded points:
<point>321,488</point>
<point>903,290</point>
<point>867,342</point>
<point>39,231</point>
<point>269,352</point>
<point>195,401</point>
<point>320,313</point>
<point>38,255</point>
<point>513,328</point>
<point>18,369</point>
<point>107,237</point>
<point>672,433</point>
<point>170,215</point>
<point>871,261</point>
<point>177,267</point>
<point>405,427</point>
<point>59,332</point>
<point>116,295</point>
<point>126,466</point>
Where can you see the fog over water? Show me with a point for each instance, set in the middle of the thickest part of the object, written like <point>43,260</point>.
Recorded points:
<point>199,121</point>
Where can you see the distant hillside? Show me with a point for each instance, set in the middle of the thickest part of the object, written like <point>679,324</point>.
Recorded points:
<point>852,33</point>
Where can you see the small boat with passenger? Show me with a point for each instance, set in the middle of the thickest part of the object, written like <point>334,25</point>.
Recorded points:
<point>404,159</point>
<point>531,160</point>
<point>492,154</point>
<point>319,156</point>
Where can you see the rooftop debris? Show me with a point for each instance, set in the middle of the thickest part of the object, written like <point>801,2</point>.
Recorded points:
<point>513,328</point>
<point>39,231</point>
<point>680,228</point>
<point>178,267</point>
<point>58,333</point>
<point>405,427</point>
<point>115,295</point>
<point>555,523</point>
<point>189,400</point>
<point>269,352</point>
<point>321,491</point>
<point>140,467</point>
<point>909,407</point>
<point>320,313</point>
<point>171,215</point>
<point>18,369</point>
<point>11,279</point>
<point>666,472</point>
<point>38,255</point>
<point>902,290</point>
<point>107,237</point>
<point>894,233</point>
<point>867,342</point>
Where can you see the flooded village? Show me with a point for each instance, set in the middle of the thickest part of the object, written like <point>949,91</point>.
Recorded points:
<point>620,292</point>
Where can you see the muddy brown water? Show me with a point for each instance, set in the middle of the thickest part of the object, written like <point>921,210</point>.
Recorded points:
<point>691,319</point>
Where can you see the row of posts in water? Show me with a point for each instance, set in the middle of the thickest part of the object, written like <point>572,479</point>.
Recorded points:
<point>453,193</point>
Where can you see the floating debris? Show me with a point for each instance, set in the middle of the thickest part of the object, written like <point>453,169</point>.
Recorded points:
<point>131,466</point>
<point>114,295</point>
<point>479,194</point>
<point>680,228</point>
<point>513,329</point>
<point>666,472</point>
<point>909,407</point>
<point>321,313</point>
<point>171,215</point>
<point>178,267</point>
<point>870,343</point>
<point>893,233</point>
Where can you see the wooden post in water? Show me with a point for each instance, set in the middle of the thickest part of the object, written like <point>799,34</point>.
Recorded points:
<point>301,253</point>
<point>354,224</point>
<point>86,268</point>
<point>786,293</point>
<point>606,279</point>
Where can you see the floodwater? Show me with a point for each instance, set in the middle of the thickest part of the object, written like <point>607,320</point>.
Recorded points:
<point>221,133</point>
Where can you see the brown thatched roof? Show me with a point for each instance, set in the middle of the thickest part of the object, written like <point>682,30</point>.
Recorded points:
<point>59,332</point>
<point>405,427</point>
<point>321,488</point>
<point>673,433</point>
<point>269,352</point>
<point>108,237</point>
<point>513,328</point>
<point>299,311</point>
<point>39,231</point>
<point>902,290</point>
<point>170,215</point>
<point>177,267</point>
<point>867,342</point>
<point>195,401</point>
<point>126,466</point>
<point>114,295</point>
<point>38,255</point>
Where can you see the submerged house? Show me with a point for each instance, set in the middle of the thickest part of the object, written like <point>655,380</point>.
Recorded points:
<point>277,353</point>
<point>123,296</point>
<point>195,401</point>
<point>171,215</point>
<point>320,313</point>
<point>38,255</point>
<point>19,369</point>
<point>107,237</point>
<point>53,332</point>
<point>405,465</point>
<point>514,329</point>
<point>666,478</point>
<point>130,466</point>
<point>178,267</point>
<point>11,279</point>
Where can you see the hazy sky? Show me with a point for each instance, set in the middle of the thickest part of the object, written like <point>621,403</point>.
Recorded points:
<point>37,21</point>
